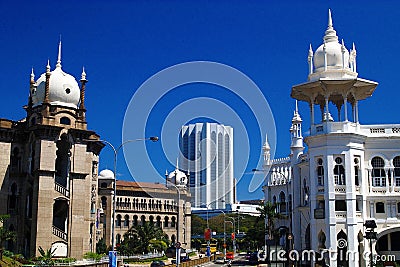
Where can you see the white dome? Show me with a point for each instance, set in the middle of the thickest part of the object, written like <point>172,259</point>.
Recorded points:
<point>63,89</point>
<point>178,177</point>
<point>106,174</point>
<point>334,56</point>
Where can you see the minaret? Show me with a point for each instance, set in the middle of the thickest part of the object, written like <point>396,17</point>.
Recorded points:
<point>82,109</point>
<point>296,146</point>
<point>267,153</point>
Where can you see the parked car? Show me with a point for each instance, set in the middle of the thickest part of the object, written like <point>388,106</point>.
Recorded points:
<point>220,260</point>
<point>253,259</point>
<point>157,264</point>
<point>229,255</point>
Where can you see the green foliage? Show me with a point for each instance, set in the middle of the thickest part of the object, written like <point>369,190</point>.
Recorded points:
<point>65,260</point>
<point>5,234</point>
<point>46,257</point>
<point>198,225</point>
<point>93,256</point>
<point>143,239</point>
<point>101,247</point>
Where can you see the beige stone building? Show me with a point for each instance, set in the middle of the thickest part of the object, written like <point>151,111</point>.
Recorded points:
<point>139,202</point>
<point>48,173</point>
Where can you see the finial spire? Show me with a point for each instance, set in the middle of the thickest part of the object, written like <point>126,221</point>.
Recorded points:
<point>297,108</point>
<point>83,77</point>
<point>177,161</point>
<point>330,33</point>
<point>310,51</point>
<point>266,144</point>
<point>32,75</point>
<point>330,25</point>
<point>59,55</point>
<point>48,65</point>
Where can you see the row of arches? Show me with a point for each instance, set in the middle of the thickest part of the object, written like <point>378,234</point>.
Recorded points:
<point>145,204</point>
<point>282,203</point>
<point>166,222</point>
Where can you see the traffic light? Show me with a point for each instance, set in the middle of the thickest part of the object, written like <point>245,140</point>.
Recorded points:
<point>233,236</point>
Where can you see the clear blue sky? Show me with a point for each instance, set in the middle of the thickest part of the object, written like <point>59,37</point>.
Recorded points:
<point>124,43</point>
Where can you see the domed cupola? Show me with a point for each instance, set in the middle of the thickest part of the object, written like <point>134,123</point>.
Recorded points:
<point>331,59</point>
<point>177,177</point>
<point>63,89</point>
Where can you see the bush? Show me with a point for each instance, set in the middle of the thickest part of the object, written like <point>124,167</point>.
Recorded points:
<point>93,256</point>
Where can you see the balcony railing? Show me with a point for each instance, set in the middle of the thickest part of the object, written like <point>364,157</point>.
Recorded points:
<point>61,189</point>
<point>60,233</point>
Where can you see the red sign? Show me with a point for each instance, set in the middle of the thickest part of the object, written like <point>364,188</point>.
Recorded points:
<point>233,236</point>
<point>207,234</point>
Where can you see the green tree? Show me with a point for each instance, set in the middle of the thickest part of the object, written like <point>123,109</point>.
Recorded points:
<point>5,234</point>
<point>268,212</point>
<point>198,225</point>
<point>143,239</point>
<point>101,246</point>
<point>46,256</point>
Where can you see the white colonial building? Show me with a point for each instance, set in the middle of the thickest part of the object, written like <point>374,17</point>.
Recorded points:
<point>350,172</point>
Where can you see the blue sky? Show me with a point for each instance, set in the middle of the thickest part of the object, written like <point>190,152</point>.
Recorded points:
<point>124,43</point>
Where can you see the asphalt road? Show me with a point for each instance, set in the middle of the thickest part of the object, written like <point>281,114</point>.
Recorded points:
<point>238,261</point>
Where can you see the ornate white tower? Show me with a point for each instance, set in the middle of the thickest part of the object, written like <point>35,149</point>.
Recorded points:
<point>296,146</point>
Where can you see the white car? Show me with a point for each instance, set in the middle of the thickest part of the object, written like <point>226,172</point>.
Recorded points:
<point>220,260</point>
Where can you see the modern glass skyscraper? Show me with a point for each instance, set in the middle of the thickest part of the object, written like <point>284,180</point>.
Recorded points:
<point>207,154</point>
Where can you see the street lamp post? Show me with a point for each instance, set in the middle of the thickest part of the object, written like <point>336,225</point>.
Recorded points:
<point>177,244</point>
<point>116,150</point>
<point>234,231</point>
<point>224,235</point>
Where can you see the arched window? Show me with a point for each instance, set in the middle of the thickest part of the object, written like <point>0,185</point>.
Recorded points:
<point>173,221</point>
<point>151,220</point>
<point>357,171</point>
<point>126,221</point>
<point>166,221</point>
<point>378,172</point>
<point>320,172</point>
<point>65,121</point>
<point>103,185</point>
<point>118,238</point>
<point>15,160</point>
<point>63,160</point>
<point>118,221</point>
<point>12,199</point>
<point>338,172</point>
<point>380,207</point>
<point>396,164</point>
<point>398,207</point>
<point>158,223</point>
<point>282,202</point>
<point>142,220</point>
<point>135,220</point>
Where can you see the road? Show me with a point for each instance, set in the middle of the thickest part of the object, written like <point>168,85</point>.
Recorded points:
<point>238,261</point>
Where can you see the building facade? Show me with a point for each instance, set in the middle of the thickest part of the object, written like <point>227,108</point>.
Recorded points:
<point>207,154</point>
<point>350,172</point>
<point>165,205</point>
<point>48,172</point>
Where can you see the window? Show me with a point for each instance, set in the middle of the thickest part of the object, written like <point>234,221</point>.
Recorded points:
<point>380,207</point>
<point>338,172</point>
<point>135,220</point>
<point>173,222</point>
<point>118,221</point>
<point>158,223</point>
<point>126,221</point>
<point>282,202</point>
<point>320,172</point>
<point>166,221</point>
<point>396,164</point>
<point>340,205</point>
<point>356,171</point>
<point>378,172</point>
<point>65,121</point>
<point>398,207</point>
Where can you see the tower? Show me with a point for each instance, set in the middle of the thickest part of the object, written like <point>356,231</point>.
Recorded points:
<point>51,169</point>
<point>207,152</point>
<point>334,145</point>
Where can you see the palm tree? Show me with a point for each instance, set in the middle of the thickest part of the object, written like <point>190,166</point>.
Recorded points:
<point>144,238</point>
<point>5,234</point>
<point>268,212</point>
<point>46,256</point>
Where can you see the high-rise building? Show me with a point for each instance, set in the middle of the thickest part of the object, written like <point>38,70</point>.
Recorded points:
<point>207,154</point>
